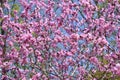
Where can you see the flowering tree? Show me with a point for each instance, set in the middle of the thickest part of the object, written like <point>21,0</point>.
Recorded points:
<point>60,39</point>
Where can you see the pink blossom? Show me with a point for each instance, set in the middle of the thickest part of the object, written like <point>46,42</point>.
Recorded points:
<point>59,39</point>
<point>74,37</point>
<point>69,53</point>
<point>94,60</point>
<point>81,70</point>
<point>83,35</point>
<point>116,69</point>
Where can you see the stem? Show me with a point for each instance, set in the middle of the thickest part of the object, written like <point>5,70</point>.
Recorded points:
<point>56,72</point>
<point>75,68</point>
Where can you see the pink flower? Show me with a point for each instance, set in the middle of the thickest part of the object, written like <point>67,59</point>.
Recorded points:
<point>4,27</point>
<point>118,66</point>
<point>34,33</point>
<point>69,53</point>
<point>58,32</point>
<point>114,56</point>
<point>74,36</point>
<point>94,60</point>
<point>10,43</point>
<point>107,57</point>
<point>82,70</point>
<point>73,51</point>
<point>24,78</point>
<point>102,40</point>
<point>83,35</point>
<point>7,5</point>
<point>58,39</point>
<point>116,69</point>
<point>26,37</point>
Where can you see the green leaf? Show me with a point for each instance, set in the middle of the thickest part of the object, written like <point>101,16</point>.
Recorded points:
<point>10,0</point>
<point>34,34</point>
<point>1,19</point>
<point>12,13</point>
<point>88,78</point>
<point>100,6</point>
<point>108,75</point>
<point>15,7</point>
<point>103,60</point>
<point>16,46</point>
<point>20,20</point>
<point>113,42</point>
<point>119,1</point>
<point>117,77</point>
<point>31,74</point>
<point>98,74</point>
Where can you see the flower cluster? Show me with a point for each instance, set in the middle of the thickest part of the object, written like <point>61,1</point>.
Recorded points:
<point>60,39</point>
